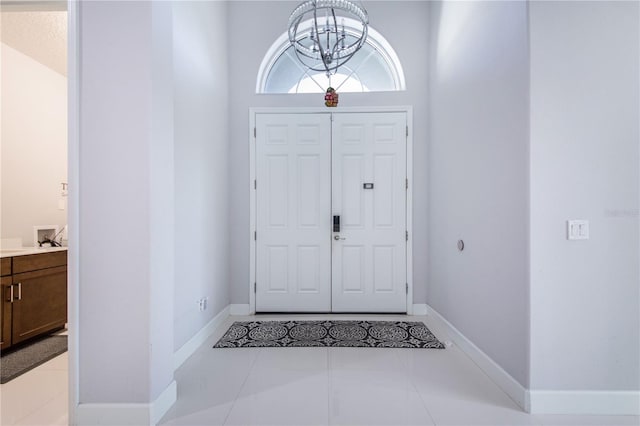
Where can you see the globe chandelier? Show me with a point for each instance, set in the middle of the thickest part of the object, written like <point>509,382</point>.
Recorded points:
<point>319,37</point>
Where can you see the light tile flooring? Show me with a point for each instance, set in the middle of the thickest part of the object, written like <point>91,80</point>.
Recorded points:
<point>304,386</point>
<point>38,397</point>
<point>347,386</point>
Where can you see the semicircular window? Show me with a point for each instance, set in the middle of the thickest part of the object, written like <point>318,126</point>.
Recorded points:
<point>374,68</point>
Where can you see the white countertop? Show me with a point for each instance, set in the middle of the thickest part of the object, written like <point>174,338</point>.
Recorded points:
<point>28,250</point>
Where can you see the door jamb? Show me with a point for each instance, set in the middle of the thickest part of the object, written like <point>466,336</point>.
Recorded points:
<point>73,215</point>
<point>252,190</point>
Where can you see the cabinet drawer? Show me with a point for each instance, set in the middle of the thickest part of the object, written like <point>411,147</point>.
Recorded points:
<point>5,266</point>
<point>34,262</point>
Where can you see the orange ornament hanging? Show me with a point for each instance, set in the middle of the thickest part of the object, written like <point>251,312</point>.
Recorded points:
<point>331,97</point>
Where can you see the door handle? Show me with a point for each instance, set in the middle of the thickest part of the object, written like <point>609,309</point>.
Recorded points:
<point>338,238</point>
<point>19,291</point>
<point>10,294</point>
<point>336,223</point>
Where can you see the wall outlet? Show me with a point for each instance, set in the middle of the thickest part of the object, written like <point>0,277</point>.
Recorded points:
<point>202,304</point>
<point>577,230</point>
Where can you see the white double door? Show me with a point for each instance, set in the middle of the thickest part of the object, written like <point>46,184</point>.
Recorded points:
<point>331,212</point>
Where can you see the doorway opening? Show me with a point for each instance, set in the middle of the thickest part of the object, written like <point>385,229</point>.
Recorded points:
<point>331,211</point>
<point>35,197</point>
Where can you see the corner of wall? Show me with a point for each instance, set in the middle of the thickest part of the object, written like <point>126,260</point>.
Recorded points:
<point>128,414</point>
<point>517,392</point>
<point>182,354</point>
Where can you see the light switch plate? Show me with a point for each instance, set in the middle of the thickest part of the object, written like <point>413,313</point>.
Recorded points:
<point>577,230</point>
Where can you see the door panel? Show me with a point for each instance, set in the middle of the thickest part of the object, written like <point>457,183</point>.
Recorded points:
<point>369,256</point>
<point>352,265</point>
<point>278,266</point>
<point>383,176</point>
<point>308,273</point>
<point>293,258</point>
<point>383,269</point>
<point>352,200</point>
<point>308,188</point>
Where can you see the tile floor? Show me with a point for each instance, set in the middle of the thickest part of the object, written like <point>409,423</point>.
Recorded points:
<point>38,397</point>
<point>347,386</point>
<point>305,386</point>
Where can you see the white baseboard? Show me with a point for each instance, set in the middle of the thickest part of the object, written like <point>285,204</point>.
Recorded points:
<point>127,414</point>
<point>610,403</point>
<point>419,309</point>
<point>164,402</point>
<point>182,354</point>
<point>239,309</point>
<point>544,402</point>
<point>500,377</point>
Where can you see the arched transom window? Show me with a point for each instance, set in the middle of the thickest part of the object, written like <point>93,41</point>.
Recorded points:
<point>374,68</point>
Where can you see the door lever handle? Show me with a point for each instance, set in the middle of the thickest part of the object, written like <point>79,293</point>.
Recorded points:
<point>338,238</point>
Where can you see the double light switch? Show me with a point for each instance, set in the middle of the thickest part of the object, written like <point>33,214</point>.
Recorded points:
<point>577,230</point>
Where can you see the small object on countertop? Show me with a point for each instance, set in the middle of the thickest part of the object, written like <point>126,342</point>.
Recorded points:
<point>46,242</point>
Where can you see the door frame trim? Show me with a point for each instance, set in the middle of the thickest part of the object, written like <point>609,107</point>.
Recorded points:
<point>253,111</point>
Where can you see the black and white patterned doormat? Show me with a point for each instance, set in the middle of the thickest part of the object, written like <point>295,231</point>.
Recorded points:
<point>366,334</point>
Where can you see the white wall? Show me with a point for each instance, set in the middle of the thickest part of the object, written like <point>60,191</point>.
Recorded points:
<point>253,27</point>
<point>33,146</point>
<point>153,195</point>
<point>478,169</point>
<point>201,157</point>
<point>585,325</point>
<point>478,174</point>
<point>125,296</point>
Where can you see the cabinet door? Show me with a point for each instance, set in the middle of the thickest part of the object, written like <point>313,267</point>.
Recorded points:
<point>5,313</point>
<point>40,302</point>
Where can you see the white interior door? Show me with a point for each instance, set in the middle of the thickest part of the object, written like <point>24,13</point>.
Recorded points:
<point>311,169</point>
<point>369,196</point>
<point>293,213</point>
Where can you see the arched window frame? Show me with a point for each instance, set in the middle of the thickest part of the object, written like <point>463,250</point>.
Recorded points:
<point>374,39</point>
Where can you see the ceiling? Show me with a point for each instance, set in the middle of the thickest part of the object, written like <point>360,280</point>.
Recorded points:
<point>42,35</point>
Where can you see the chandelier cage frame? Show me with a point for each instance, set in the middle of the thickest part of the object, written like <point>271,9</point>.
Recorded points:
<point>326,47</point>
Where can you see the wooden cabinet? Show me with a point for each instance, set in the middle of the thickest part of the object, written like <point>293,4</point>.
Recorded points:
<point>35,262</point>
<point>5,312</point>
<point>5,266</point>
<point>39,304</point>
<point>34,297</point>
